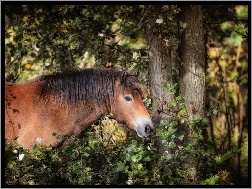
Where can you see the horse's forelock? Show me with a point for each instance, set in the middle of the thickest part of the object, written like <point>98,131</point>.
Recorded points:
<point>133,82</point>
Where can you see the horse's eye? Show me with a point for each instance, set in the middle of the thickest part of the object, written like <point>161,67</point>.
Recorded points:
<point>128,98</point>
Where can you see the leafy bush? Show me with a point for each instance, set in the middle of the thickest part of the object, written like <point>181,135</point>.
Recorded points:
<point>85,160</point>
<point>89,160</point>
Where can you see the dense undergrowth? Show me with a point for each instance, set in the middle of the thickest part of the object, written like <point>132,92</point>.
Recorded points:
<point>95,160</point>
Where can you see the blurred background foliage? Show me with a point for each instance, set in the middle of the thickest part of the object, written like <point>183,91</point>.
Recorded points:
<point>41,39</point>
<point>57,38</point>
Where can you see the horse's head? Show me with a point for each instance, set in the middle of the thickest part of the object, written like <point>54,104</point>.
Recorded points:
<point>128,105</point>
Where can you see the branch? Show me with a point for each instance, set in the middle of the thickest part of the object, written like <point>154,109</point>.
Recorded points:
<point>118,49</point>
<point>243,36</point>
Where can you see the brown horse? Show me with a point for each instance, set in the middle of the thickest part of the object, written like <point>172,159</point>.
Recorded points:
<point>67,103</point>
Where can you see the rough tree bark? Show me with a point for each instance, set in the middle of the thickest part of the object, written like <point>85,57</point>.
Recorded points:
<point>192,63</point>
<point>192,58</point>
<point>160,71</point>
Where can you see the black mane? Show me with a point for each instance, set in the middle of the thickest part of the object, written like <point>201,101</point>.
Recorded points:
<point>84,85</point>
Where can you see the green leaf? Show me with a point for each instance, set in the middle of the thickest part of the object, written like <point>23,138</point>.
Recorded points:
<point>171,131</point>
<point>120,166</point>
<point>182,121</point>
<point>48,148</point>
<point>36,149</point>
<point>147,159</point>
<point>169,157</point>
<point>181,137</point>
<point>173,124</point>
<point>55,157</point>
<point>211,181</point>
<point>171,105</point>
<point>163,122</point>
<point>215,111</point>
<point>180,99</point>
<point>173,89</point>
<point>86,154</point>
<point>165,86</point>
<point>159,133</point>
<point>182,111</point>
<point>172,144</point>
<point>134,159</point>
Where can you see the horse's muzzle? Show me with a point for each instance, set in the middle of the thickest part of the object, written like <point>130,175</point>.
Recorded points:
<point>144,127</point>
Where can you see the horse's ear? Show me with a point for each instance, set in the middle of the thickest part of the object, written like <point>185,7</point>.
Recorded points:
<point>136,73</point>
<point>123,76</point>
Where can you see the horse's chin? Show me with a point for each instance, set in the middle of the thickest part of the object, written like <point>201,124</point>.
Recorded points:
<point>142,135</point>
<point>145,138</point>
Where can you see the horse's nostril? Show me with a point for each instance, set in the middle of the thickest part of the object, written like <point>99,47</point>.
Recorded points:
<point>148,129</point>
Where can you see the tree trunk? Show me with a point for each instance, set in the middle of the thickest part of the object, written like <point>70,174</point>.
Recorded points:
<point>192,65</point>
<point>192,56</point>
<point>160,72</point>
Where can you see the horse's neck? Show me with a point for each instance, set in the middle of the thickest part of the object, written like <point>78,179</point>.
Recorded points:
<point>87,115</point>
